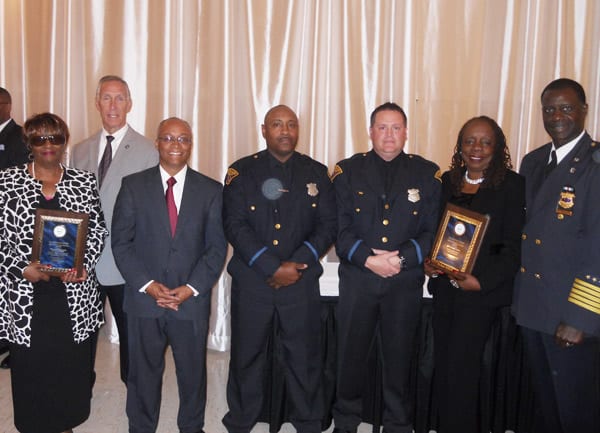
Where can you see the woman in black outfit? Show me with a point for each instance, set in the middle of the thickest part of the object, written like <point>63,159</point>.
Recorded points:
<point>48,320</point>
<point>465,305</point>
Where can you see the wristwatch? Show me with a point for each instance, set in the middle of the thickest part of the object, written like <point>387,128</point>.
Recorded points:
<point>402,262</point>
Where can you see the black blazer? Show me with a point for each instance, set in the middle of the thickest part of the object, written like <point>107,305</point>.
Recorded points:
<point>144,249</point>
<point>12,148</point>
<point>500,254</point>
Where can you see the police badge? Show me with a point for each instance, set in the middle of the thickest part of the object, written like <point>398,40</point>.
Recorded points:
<point>413,195</point>
<point>312,189</point>
<point>566,201</point>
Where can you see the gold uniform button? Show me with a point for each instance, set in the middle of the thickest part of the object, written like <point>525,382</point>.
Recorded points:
<point>387,206</point>
<point>314,205</point>
<point>560,216</point>
<point>538,242</point>
<point>522,269</point>
<point>385,222</point>
<point>384,239</point>
<point>415,212</point>
<point>357,210</point>
<point>277,226</point>
<point>275,242</point>
<point>537,276</point>
<point>523,236</point>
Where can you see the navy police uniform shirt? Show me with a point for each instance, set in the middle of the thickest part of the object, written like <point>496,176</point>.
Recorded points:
<point>276,212</point>
<point>386,205</point>
<point>559,279</point>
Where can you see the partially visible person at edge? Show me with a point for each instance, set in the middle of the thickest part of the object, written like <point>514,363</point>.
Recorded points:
<point>12,152</point>
<point>279,216</point>
<point>48,320</point>
<point>466,304</point>
<point>12,147</point>
<point>387,204</point>
<point>557,292</point>
<point>112,153</point>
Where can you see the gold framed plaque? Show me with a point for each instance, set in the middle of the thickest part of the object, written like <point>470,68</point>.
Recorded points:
<point>59,240</point>
<point>458,239</point>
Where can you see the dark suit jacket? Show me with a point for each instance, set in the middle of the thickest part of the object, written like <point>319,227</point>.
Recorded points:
<point>500,251</point>
<point>144,249</point>
<point>560,274</point>
<point>12,148</point>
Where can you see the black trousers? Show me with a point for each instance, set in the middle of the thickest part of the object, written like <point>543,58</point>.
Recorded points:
<point>461,326</point>
<point>566,383</point>
<point>148,341</point>
<point>297,318</point>
<point>366,303</point>
<point>115,296</point>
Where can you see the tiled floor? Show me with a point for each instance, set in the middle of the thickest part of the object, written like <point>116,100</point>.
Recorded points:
<point>108,404</point>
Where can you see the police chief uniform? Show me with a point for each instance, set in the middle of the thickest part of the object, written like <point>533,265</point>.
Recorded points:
<point>559,280</point>
<point>389,206</point>
<point>275,212</point>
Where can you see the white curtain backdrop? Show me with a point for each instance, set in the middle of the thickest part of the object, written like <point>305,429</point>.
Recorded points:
<point>220,64</point>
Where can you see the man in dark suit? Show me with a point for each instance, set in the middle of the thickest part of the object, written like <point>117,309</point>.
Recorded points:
<point>112,153</point>
<point>12,147</point>
<point>388,205</point>
<point>12,152</point>
<point>557,292</point>
<point>279,216</point>
<point>168,242</point>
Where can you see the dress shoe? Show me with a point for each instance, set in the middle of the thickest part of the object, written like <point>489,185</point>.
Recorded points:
<point>339,430</point>
<point>5,363</point>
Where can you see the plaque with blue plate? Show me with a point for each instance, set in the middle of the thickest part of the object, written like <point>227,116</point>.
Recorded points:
<point>59,240</point>
<point>458,239</point>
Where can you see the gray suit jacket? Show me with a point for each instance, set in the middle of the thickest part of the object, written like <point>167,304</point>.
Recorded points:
<point>145,250</point>
<point>135,153</point>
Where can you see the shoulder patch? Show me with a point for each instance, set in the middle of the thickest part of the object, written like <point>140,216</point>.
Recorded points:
<point>438,175</point>
<point>232,173</point>
<point>336,171</point>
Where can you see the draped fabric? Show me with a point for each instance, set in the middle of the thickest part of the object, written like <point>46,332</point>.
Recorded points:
<point>220,64</point>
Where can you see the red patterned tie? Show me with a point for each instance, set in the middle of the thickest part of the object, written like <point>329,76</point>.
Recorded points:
<point>171,208</point>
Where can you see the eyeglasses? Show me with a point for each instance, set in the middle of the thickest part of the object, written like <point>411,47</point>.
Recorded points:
<point>182,139</point>
<point>40,140</point>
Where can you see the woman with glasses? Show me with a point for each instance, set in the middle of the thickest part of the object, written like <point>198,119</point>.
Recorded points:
<point>48,319</point>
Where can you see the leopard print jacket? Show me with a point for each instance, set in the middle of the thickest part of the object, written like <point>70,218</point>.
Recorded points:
<point>19,195</point>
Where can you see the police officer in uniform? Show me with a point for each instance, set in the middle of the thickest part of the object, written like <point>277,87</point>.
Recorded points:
<point>557,292</point>
<point>279,216</point>
<point>388,205</point>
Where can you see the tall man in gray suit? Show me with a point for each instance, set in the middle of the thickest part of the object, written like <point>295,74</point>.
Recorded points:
<point>168,242</point>
<point>112,153</point>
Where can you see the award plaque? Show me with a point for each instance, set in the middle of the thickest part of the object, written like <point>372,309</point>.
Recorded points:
<point>59,241</point>
<point>458,239</point>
